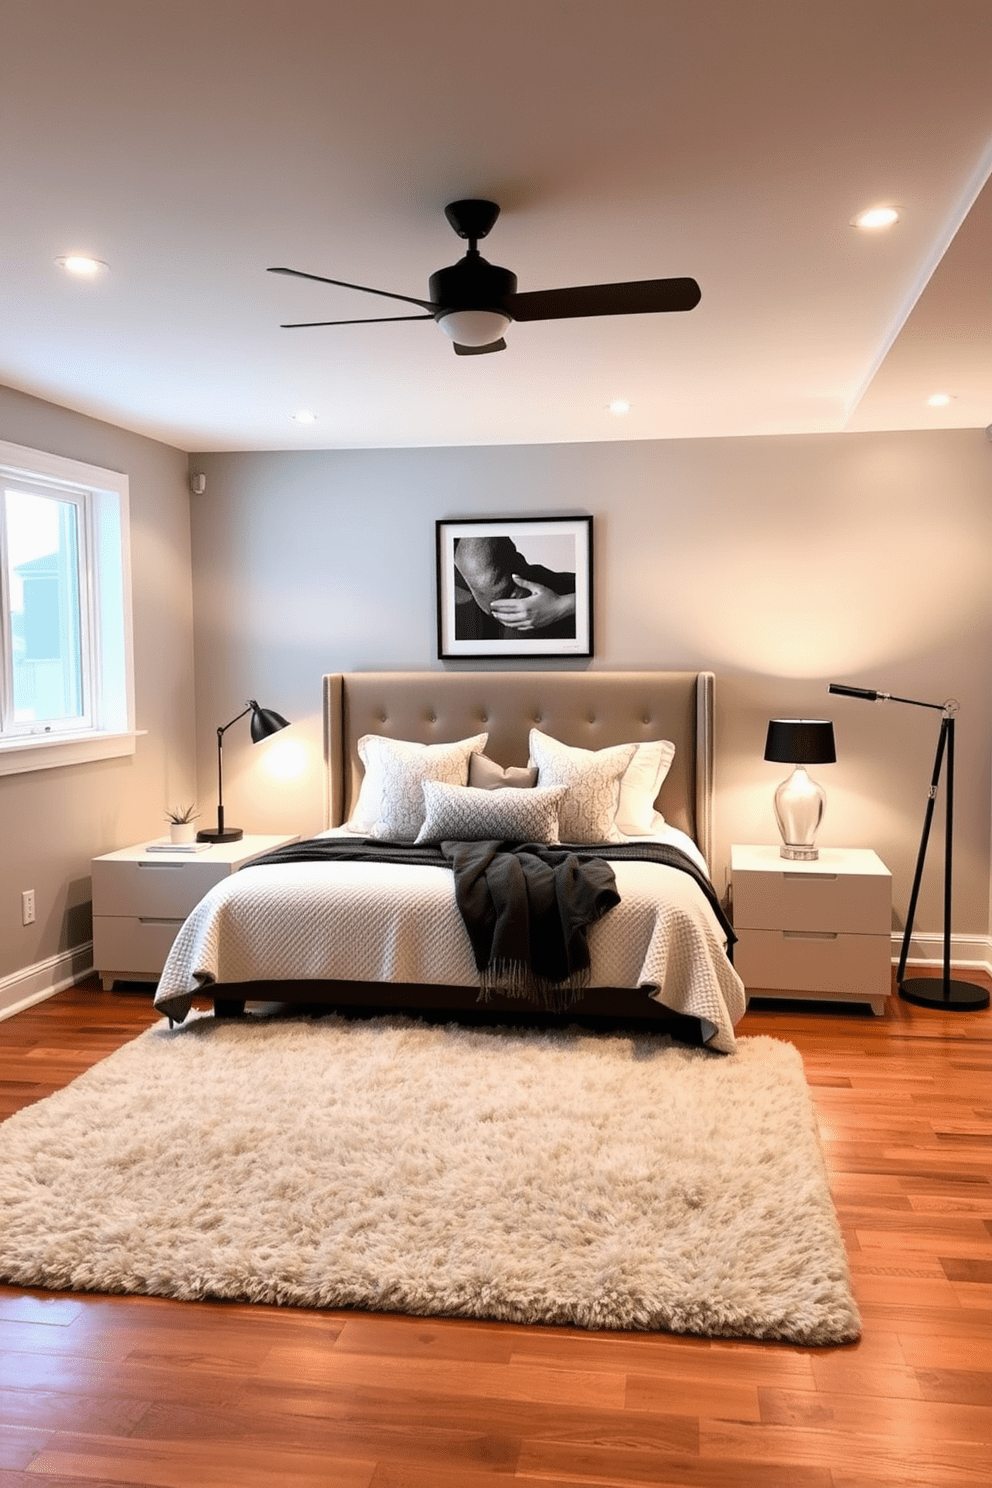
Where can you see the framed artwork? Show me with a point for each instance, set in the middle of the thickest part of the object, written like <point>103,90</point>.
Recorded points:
<point>514,586</point>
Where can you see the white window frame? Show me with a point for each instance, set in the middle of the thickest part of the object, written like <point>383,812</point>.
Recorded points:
<point>105,602</point>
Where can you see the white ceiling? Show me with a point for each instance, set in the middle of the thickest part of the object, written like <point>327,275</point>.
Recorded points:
<point>192,143</point>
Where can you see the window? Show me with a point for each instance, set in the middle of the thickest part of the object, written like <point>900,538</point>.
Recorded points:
<point>66,685</point>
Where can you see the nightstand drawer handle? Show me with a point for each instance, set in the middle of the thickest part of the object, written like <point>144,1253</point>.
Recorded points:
<point>810,877</point>
<point>809,934</point>
<point>159,920</point>
<point>166,867</point>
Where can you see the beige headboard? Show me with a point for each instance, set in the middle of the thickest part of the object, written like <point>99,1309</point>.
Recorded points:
<point>587,709</point>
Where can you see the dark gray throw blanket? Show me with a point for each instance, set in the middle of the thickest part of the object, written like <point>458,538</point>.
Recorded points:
<point>526,906</point>
<point>526,913</point>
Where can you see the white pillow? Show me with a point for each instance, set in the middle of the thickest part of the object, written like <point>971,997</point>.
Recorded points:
<point>642,780</point>
<point>391,802</point>
<point>592,780</point>
<point>466,813</point>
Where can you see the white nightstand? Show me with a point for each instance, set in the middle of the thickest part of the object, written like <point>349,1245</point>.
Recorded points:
<point>141,898</point>
<point>821,929</point>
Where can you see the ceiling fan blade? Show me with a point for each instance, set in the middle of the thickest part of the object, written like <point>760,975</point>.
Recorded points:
<point>460,350</point>
<point>344,284</point>
<point>638,297</point>
<point>297,325</point>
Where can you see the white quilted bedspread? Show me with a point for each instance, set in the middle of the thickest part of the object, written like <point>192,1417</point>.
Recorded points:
<point>399,923</point>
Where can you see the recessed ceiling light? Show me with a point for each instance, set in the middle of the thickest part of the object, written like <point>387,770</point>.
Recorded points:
<point>940,400</point>
<point>305,416</point>
<point>619,405</point>
<point>82,266</point>
<point>876,217</point>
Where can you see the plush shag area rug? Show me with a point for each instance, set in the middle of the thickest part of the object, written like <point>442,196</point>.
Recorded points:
<point>607,1181</point>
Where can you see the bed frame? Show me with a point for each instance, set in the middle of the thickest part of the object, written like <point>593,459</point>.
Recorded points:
<point>591,710</point>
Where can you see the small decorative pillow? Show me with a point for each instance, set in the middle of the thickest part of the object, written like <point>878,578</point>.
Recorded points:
<point>642,780</point>
<point>463,813</point>
<point>486,774</point>
<point>592,780</point>
<point>393,805</point>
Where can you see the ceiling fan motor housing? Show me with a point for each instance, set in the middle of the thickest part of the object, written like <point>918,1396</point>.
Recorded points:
<point>472,284</point>
<point>470,298</point>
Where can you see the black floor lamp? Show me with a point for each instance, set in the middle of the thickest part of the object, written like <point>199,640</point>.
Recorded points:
<point>264,723</point>
<point>952,996</point>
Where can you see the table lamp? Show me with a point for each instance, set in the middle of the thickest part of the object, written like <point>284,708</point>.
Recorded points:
<point>264,723</point>
<point>799,801</point>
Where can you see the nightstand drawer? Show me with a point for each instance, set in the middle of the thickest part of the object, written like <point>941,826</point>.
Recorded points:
<point>848,903</point>
<point>161,890</point>
<point>129,944</point>
<point>814,962</point>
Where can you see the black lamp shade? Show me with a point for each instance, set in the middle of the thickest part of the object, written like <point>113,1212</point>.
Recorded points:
<point>801,741</point>
<point>265,722</point>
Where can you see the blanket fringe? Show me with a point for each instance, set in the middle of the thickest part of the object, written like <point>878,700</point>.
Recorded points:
<point>516,979</point>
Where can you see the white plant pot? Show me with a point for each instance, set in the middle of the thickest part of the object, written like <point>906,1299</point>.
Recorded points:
<point>182,831</point>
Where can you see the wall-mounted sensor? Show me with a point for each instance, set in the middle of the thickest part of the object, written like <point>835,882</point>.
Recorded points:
<point>198,483</point>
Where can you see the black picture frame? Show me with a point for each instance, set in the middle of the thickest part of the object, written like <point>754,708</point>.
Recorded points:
<point>556,556</point>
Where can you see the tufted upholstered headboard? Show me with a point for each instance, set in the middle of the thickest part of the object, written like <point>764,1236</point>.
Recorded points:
<point>588,709</point>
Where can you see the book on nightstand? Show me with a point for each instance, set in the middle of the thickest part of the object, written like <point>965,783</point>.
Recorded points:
<point>167,845</point>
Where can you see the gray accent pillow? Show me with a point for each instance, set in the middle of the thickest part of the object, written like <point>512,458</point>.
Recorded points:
<point>485,774</point>
<point>463,813</point>
<point>591,778</point>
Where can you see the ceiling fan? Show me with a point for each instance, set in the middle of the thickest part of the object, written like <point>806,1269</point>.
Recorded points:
<point>474,301</point>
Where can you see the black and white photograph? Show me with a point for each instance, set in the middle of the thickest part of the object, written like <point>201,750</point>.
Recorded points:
<point>514,586</point>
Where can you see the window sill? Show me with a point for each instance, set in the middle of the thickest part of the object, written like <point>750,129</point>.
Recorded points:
<point>17,756</point>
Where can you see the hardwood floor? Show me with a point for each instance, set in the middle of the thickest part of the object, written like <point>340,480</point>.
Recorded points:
<point>139,1390</point>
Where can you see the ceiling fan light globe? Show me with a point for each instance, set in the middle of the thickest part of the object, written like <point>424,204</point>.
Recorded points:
<point>474,327</point>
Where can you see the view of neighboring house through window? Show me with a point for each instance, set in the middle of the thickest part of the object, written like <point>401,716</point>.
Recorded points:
<point>50,683</point>
<point>66,691</point>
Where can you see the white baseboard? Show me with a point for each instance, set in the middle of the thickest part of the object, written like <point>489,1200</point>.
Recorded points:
<point>968,952</point>
<point>34,983</point>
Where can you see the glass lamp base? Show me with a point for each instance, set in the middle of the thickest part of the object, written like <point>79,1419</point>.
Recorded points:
<point>799,804</point>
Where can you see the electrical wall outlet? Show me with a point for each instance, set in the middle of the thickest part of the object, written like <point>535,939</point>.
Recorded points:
<point>27,907</point>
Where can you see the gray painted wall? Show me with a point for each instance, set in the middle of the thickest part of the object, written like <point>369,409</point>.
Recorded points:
<point>780,563</point>
<point>52,822</point>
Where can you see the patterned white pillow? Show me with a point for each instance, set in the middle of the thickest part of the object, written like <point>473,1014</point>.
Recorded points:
<point>642,780</point>
<point>391,801</point>
<point>466,813</point>
<point>592,780</point>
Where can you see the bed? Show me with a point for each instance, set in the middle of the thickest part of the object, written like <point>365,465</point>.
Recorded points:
<point>389,934</point>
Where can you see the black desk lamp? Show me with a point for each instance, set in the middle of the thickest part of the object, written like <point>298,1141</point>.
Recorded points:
<point>952,996</point>
<point>264,723</point>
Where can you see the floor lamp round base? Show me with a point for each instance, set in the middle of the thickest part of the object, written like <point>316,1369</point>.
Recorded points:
<point>962,997</point>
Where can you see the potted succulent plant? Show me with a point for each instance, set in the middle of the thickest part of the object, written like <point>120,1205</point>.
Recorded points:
<point>182,823</point>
